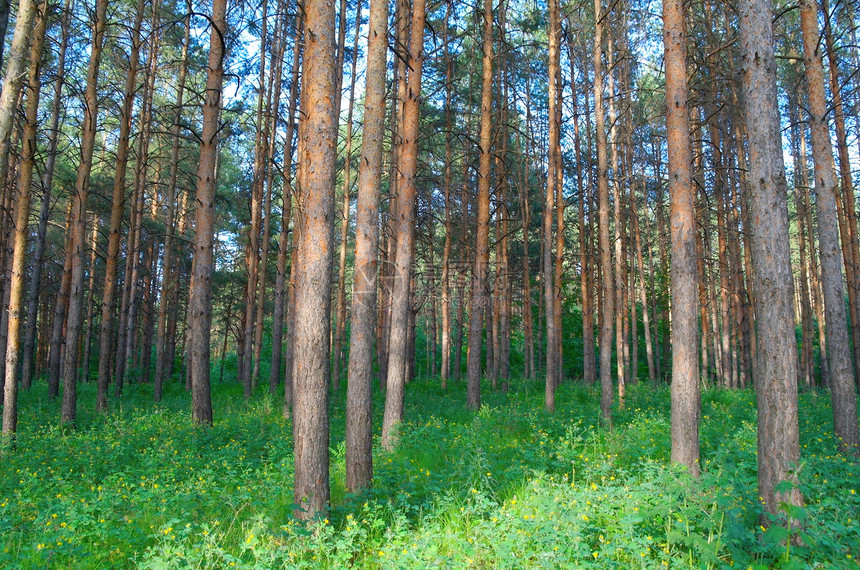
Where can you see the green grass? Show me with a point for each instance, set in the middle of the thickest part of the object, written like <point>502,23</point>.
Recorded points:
<point>510,486</point>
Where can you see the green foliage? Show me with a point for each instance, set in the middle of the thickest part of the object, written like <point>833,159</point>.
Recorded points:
<point>508,486</point>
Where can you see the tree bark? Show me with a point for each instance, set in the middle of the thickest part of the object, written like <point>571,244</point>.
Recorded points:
<point>850,246</point>
<point>842,393</point>
<point>79,205</point>
<point>359,437</point>
<point>482,251</point>
<point>35,286</point>
<point>19,248</point>
<point>608,303</point>
<point>315,225</point>
<point>682,196</point>
<point>286,214</point>
<point>400,305</point>
<point>200,296</point>
<point>776,353</point>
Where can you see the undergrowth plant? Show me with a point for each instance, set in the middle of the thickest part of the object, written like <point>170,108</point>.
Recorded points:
<point>510,486</point>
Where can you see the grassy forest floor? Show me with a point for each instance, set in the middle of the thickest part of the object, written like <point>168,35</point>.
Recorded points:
<point>510,486</point>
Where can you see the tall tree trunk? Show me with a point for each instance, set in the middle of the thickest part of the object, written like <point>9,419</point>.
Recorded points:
<point>13,80</point>
<point>270,140</point>
<point>117,203</point>
<point>79,205</point>
<point>200,296</point>
<point>286,214</point>
<point>136,251</point>
<point>359,437</point>
<point>776,354</point>
<point>446,186</point>
<point>842,393</point>
<point>22,216</point>
<point>315,225</point>
<point>252,257</point>
<point>340,316</point>
<point>608,303</point>
<point>482,251</point>
<point>169,282</point>
<point>400,306</point>
<point>552,194</point>
<point>44,210</point>
<point>589,366</point>
<point>682,195</point>
<point>555,135</point>
<point>850,246</point>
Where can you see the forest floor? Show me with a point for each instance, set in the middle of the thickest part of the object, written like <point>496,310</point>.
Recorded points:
<point>510,486</point>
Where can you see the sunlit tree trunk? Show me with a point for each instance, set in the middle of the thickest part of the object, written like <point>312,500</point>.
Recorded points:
<point>315,233</point>
<point>13,79</point>
<point>608,305</point>
<point>776,354</point>
<point>22,216</point>
<point>682,195</point>
<point>286,214</point>
<point>400,302</point>
<point>482,252</point>
<point>359,437</point>
<point>842,393</point>
<point>45,207</point>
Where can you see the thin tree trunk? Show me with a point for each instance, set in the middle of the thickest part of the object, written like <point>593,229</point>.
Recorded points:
<point>79,204</point>
<point>89,314</point>
<point>608,301</point>
<point>400,306</point>
<point>286,213</point>
<point>482,252</point>
<point>446,185</point>
<point>169,283</point>
<point>340,316</point>
<point>119,188</point>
